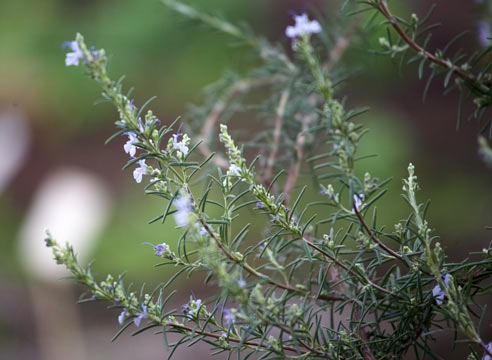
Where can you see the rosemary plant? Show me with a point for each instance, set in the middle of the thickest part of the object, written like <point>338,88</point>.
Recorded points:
<point>336,285</point>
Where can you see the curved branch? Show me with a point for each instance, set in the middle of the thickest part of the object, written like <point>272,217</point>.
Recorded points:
<point>383,8</point>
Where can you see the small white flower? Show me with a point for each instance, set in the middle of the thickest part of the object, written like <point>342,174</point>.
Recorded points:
<point>180,146</point>
<point>358,202</point>
<point>129,146</point>
<point>234,170</point>
<point>139,172</point>
<point>73,58</point>
<point>303,26</point>
<point>183,207</point>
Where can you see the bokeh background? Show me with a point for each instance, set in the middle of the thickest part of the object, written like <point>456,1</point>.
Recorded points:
<point>56,171</point>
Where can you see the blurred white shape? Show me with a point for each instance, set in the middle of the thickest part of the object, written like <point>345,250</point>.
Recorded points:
<point>14,142</point>
<point>73,205</point>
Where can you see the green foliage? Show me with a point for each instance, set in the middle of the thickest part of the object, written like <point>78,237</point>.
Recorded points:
<point>326,280</point>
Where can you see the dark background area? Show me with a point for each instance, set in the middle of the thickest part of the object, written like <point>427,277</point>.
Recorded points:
<point>54,128</point>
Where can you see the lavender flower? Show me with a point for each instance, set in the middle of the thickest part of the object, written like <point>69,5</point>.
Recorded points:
<point>241,283</point>
<point>438,293</point>
<point>484,33</point>
<point>141,316</point>
<point>122,316</point>
<point>184,209</point>
<point>198,304</point>
<point>303,26</point>
<point>73,57</point>
<point>260,204</point>
<point>139,172</point>
<point>489,348</point>
<point>180,145</point>
<point>159,249</point>
<point>192,308</point>
<point>129,146</point>
<point>203,231</point>
<point>140,125</point>
<point>229,317</point>
<point>234,170</point>
<point>358,202</point>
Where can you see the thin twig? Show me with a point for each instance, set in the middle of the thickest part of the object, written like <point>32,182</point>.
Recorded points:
<point>295,168</point>
<point>262,276</point>
<point>346,268</point>
<point>341,45</point>
<point>375,239</point>
<point>385,11</point>
<point>206,133</point>
<point>366,350</point>
<point>276,134</point>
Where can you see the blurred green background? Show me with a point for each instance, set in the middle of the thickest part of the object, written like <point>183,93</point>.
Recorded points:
<point>162,54</point>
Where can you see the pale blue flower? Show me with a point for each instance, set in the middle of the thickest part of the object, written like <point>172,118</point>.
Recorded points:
<point>241,283</point>
<point>141,316</point>
<point>489,348</point>
<point>358,202</point>
<point>129,146</point>
<point>73,58</point>
<point>303,26</point>
<point>484,33</point>
<point>159,249</point>
<point>139,172</point>
<point>234,170</point>
<point>229,317</point>
<point>140,125</point>
<point>191,309</point>
<point>183,207</point>
<point>260,204</point>
<point>180,145</point>
<point>203,231</point>
<point>438,293</point>
<point>122,316</point>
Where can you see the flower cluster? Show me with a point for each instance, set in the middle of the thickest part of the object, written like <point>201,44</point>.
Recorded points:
<point>180,147</point>
<point>302,26</point>
<point>438,292</point>
<point>73,58</point>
